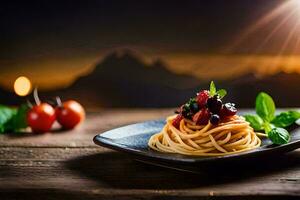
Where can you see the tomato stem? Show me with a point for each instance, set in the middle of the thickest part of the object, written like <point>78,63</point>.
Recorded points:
<point>36,96</point>
<point>58,101</point>
<point>29,104</point>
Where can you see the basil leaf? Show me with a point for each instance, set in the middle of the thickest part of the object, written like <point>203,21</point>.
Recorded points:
<point>265,106</point>
<point>11,119</point>
<point>255,122</point>
<point>212,89</point>
<point>286,119</point>
<point>19,120</point>
<point>222,93</point>
<point>296,114</point>
<point>268,126</point>
<point>279,136</point>
<point>6,114</point>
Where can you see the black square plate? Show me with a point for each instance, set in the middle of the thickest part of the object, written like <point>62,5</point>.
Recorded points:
<point>133,139</point>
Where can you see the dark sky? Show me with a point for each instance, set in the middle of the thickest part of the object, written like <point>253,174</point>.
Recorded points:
<point>43,37</point>
<point>35,28</point>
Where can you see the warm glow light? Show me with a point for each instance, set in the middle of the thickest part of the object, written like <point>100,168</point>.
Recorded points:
<point>22,86</point>
<point>288,11</point>
<point>296,2</point>
<point>295,5</point>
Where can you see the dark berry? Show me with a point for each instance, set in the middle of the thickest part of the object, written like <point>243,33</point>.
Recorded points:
<point>194,107</point>
<point>228,109</point>
<point>214,104</point>
<point>186,111</point>
<point>202,97</point>
<point>202,116</point>
<point>176,121</point>
<point>214,119</point>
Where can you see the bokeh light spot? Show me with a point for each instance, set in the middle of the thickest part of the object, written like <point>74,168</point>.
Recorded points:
<point>22,86</point>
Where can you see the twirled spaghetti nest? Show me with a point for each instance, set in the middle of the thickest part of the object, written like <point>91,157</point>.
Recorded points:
<point>231,136</point>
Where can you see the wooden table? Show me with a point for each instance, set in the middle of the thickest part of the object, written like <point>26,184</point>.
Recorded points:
<point>68,165</point>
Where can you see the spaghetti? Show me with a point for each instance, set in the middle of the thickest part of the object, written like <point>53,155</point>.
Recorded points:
<point>231,136</point>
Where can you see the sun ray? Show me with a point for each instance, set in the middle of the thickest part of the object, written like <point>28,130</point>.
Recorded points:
<point>281,9</point>
<point>278,26</point>
<point>290,35</point>
<point>264,20</point>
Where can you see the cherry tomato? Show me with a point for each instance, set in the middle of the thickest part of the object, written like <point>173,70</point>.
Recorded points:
<point>70,114</point>
<point>41,117</point>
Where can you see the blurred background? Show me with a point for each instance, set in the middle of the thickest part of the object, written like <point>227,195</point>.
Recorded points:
<point>149,53</point>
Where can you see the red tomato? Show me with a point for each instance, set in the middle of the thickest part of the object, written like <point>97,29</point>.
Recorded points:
<point>41,118</point>
<point>70,114</point>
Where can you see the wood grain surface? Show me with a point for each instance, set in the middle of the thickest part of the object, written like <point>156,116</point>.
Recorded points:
<point>68,165</point>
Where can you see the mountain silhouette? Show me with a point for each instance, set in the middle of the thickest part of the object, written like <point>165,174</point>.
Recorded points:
<point>123,79</point>
<point>126,66</point>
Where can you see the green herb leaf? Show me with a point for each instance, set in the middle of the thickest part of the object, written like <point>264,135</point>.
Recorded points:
<point>212,89</point>
<point>296,114</point>
<point>286,119</point>
<point>12,119</point>
<point>279,135</point>
<point>6,114</point>
<point>255,122</point>
<point>265,106</point>
<point>268,126</point>
<point>192,100</point>
<point>222,93</point>
<point>19,120</point>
